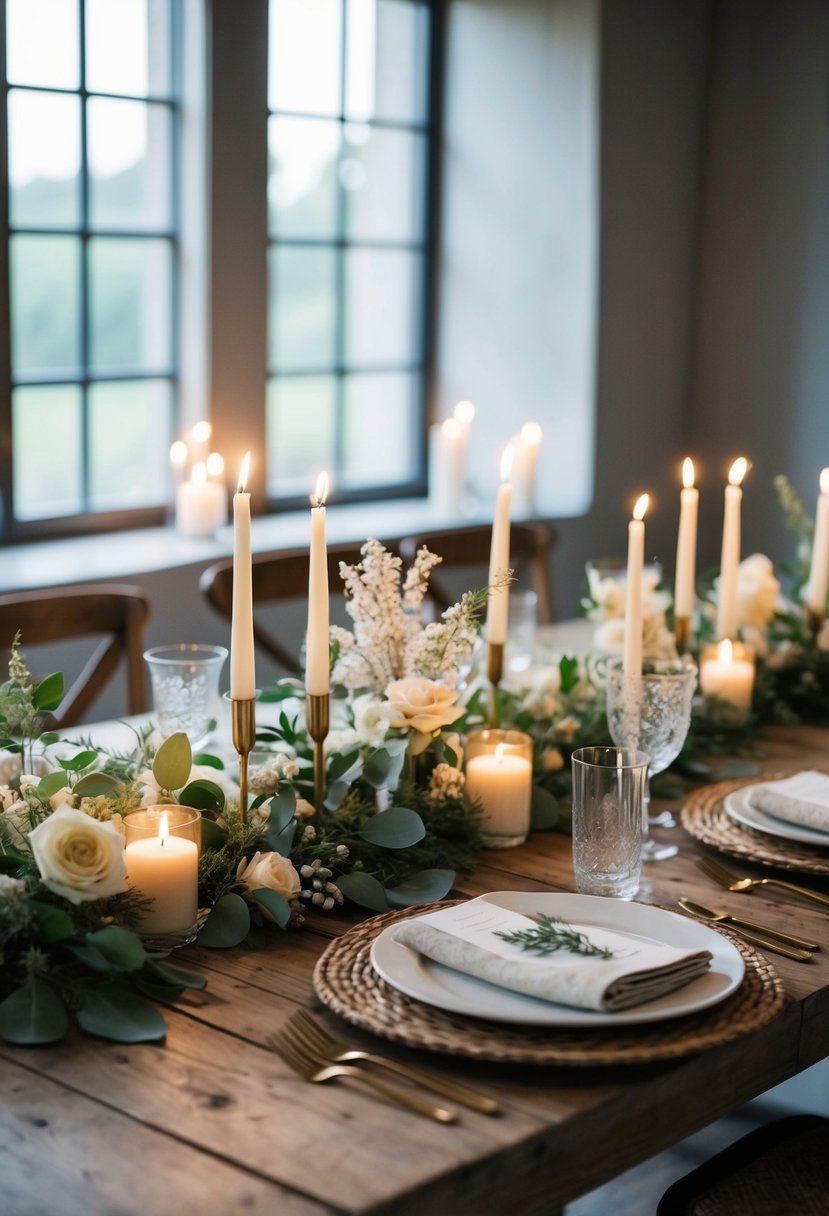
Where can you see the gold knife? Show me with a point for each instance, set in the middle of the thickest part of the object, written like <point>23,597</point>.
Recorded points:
<point>756,936</point>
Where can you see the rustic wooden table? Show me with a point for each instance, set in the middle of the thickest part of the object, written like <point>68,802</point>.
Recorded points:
<point>211,1122</point>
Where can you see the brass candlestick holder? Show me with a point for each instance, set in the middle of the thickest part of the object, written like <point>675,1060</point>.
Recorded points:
<point>318,705</point>
<point>494,671</point>
<point>682,633</point>
<point>243,721</point>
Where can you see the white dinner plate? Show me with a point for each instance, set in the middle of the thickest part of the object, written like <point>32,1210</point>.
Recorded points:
<point>455,992</point>
<point>738,805</point>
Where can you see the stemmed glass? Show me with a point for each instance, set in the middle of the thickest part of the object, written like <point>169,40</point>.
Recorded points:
<point>652,712</point>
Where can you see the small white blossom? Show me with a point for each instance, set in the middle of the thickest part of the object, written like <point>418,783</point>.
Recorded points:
<point>11,888</point>
<point>445,782</point>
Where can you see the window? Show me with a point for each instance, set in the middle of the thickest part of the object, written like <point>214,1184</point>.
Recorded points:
<point>348,178</point>
<point>91,116</point>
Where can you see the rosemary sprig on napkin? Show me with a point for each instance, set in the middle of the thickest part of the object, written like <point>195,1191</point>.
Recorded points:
<point>552,934</point>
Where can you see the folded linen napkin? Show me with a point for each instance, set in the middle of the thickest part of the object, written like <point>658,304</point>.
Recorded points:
<point>464,938</point>
<point>802,799</point>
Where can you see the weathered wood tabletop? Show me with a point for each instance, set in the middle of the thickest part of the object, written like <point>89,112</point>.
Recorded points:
<point>212,1122</point>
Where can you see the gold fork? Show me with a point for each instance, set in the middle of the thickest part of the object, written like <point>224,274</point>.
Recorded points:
<point>321,1043</point>
<point>314,1069</point>
<point>732,882</point>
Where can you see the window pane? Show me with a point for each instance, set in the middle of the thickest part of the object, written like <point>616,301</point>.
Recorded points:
<point>130,428</point>
<point>387,60</point>
<point>300,431</point>
<point>34,58</point>
<point>47,451</point>
<point>382,309</point>
<point>130,304</point>
<point>302,180</point>
<point>44,159</point>
<point>383,173</point>
<point>380,429</point>
<point>45,299</point>
<point>304,46</point>
<point>129,160</point>
<point>303,307</point>
<point>128,47</point>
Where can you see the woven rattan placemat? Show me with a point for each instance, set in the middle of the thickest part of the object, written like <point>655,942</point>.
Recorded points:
<point>705,817</point>
<point>346,982</point>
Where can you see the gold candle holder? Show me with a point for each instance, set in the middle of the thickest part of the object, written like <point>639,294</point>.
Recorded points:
<point>318,705</point>
<point>682,633</point>
<point>243,721</point>
<point>494,671</point>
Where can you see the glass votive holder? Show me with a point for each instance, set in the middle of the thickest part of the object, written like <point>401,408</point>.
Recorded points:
<point>185,682</point>
<point>499,774</point>
<point>162,860</point>
<point>726,673</point>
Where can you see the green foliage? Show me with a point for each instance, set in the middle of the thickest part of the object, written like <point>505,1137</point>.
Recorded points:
<point>173,762</point>
<point>228,923</point>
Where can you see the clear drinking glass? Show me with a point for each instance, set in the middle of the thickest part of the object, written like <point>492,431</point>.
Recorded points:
<point>608,822</point>
<point>185,680</point>
<point>652,711</point>
<point>523,623</point>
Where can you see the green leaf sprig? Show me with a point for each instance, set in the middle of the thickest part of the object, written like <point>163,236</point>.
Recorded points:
<point>552,934</point>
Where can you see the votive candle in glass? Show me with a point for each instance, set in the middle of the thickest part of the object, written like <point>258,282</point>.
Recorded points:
<point>726,671</point>
<point>499,774</point>
<point>162,859</point>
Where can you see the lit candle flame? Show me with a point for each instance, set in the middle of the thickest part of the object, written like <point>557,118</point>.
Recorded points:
<point>725,652</point>
<point>243,474</point>
<point>506,462</point>
<point>321,491</point>
<point>178,454</point>
<point>641,506</point>
<point>532,434</point>
<point>199,474</point>
<point>824,481</point>
<point>688,473</point>
<point>215,464</point>
<point>737,471</point>
<point>163,827</point>
<point>499,753</point>
<point>452,429</point>
<point>202,431</point>
<point>464,412</point>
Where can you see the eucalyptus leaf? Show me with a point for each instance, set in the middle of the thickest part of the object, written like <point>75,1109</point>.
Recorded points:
<point>382,769</point>
<point>120,946</point>
<point>364,890</point>
<point>173,762</point>
<point>124,1017</point>
<point>544,809</point>
<point>50,784</point>
<point>281,842</point>
<point>202,794</point>
<point>53,924</point>
<point>273,905</point>
<point>49,692</point>
<point>94,784</point>
<point>10,860</point>
<point>48,737</point>
<point>283,808</point>
<point>34,1013</point>
<point>396,745</point>
<point>213,836</point>
<point>424,887</point>
<point>228,923</point>
<point>396,828</point>
<point>335,795</point>
<point>79,761</point>
<point>206,760</point>
<point>173,974</point>
<point>344,766</point>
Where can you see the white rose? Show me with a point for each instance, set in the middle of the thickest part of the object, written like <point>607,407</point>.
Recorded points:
<point>610,637</point>
<point>372,718</point>
<point>271,871</point>
<point>79,857</point>
<point>422,705</point>
<point>757,591</point>
<point>340,740</point>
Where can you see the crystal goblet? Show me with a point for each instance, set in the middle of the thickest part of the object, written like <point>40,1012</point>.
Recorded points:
<point>652,711</point>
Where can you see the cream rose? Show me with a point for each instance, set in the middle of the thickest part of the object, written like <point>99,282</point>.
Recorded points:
<point>757,591</point>
<point>270,870</point>
<point>78,857</point>
<point>421,704</point>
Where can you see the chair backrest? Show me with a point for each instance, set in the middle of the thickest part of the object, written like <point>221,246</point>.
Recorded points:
<point>530,548</point>
<point>118,612</point>
<point>277,576</point>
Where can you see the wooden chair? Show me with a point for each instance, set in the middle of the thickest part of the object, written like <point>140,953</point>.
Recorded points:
<point>116,611</point>
<point>530,548</point>
<point>277,576</point>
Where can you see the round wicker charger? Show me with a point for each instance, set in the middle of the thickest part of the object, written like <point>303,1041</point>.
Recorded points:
<point>705,817</point>
<point>346,982</point>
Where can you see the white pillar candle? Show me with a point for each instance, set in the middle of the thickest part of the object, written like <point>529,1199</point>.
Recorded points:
<point>242,666</point>
<point>498,599</point>
<point>524,469</point>
<point>446,466</point>
<point>632,661</point>
<point>819,574</point>
<point>730,554</point>
<point>165,869</point>
<point>727,675</point>
<point>503,784</point>
<point>201,505</point>
<point>317,666</point>
<point>686,543</point>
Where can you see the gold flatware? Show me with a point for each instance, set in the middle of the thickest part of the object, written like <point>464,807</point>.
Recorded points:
<point>788,939</point>
<point>756,939</point>
<point>319,1042</point>
<point>317,1071</point>
<point>732,882</point>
